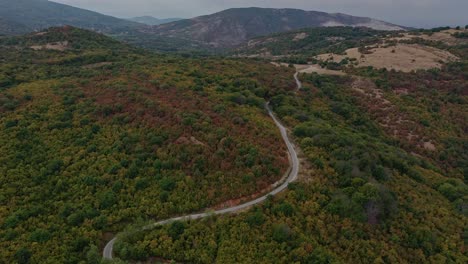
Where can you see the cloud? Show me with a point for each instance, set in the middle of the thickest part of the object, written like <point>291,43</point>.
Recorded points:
<point>418,13</point>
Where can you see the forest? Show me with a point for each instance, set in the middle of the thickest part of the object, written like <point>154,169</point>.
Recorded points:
<point>99,137</point>
<point>302,45</point>
<point>366,194</point>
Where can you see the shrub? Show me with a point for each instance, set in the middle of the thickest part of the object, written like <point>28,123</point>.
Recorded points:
<point>256,219</point>
<point>176,229</point>
<point>23,255</point>
<point>281,233</point>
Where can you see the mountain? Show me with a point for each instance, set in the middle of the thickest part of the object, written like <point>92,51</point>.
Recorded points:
<point>21,16</point>
<point>8,27</point>
<point>235,26</point>
<point>152,21</point>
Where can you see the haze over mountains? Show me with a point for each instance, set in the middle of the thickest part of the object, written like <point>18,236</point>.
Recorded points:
<point>153,21</point>
<point>234,26</point>
<point>22,16</point>
<point>224,29</point>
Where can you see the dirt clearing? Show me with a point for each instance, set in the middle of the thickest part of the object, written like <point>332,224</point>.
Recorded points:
<point>310,68</point>
<point>59,46</point>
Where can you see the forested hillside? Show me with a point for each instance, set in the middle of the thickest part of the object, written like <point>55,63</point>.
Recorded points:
<point>384,177</point>
<point>233,27</point>
<point>149,20</point>
<point>99,137</point>
<point>306,43</point>
<point>96,135</point>
<point>23,16</point>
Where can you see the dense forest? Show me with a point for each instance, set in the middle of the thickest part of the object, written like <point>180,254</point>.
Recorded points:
<point>96,135</point>
<point>99,137</point>
<point>380,184</point>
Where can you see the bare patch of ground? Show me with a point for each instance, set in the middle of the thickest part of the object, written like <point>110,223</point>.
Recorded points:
<point>429,146</point>
<point>255,42</point>
<point>315,68</point>
<point>300,36</point>
<point>280,64</point>
<point>40,34</point>
<point>59,46</point>
<point>402,57</point>
<point>96,65</point>
<point>191,140</point>
<point>309,68</point>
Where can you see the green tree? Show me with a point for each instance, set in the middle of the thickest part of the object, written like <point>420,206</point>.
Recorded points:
<point>176,229</point>
<point>93,256</point>
<point>281,233</point>
<point>23,255</point>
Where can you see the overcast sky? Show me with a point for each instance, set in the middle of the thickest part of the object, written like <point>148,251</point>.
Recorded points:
<point>416,13</point>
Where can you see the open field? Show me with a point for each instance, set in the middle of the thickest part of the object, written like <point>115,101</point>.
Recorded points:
<point>402,57</point>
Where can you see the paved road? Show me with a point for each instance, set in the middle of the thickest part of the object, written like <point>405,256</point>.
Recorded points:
<point>292,176</point>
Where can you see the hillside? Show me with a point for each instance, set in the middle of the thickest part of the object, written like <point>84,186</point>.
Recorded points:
<point>222,30</point>
<point>99,139</point>
<point>383,176</point>
<point>152,21</point>
<point>309,42</point>
<point>8,27</point>
<point>20,16</point>
<point>97,135</point>
<point>235,26</point>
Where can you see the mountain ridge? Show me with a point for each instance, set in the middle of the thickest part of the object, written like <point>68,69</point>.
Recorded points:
<point>233,26</point>
<point>153,21</point>
<point>34,15</point>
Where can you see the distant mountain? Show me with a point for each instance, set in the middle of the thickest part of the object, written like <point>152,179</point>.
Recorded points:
<point>20,16</point>
<point>235,26</point>
<point>305,43</point>
<point>152,21</point>
<point>8,27</point>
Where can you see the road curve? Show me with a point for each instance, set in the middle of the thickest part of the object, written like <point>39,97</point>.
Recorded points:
<point>292,176</point>
<point>298,83</point>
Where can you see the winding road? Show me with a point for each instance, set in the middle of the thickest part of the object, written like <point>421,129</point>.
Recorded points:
<point>292,176</point>
<point>298,83</point>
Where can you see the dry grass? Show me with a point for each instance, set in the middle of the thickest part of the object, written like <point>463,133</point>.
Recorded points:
<point>445,37</point>
<point>97,65</point>
<point>59,46</point>
<point>402,57</point>
<point>300,36</point>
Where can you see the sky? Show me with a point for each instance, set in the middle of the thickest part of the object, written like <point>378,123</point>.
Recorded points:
<point>414,13</point>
